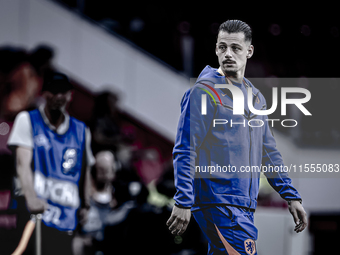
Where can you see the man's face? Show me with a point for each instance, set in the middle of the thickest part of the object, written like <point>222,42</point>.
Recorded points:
<point>105,169</point>
<point>57,101</point>
<point>232,52</point>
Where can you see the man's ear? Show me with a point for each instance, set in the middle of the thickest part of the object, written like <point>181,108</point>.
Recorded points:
<point>216,50</point>
<point>250,51</point>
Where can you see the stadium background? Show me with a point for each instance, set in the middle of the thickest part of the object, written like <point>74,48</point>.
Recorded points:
<point>145,54</point>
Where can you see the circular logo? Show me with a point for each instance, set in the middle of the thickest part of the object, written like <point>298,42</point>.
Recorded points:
<point>70,160</point>
<point>4,128</point>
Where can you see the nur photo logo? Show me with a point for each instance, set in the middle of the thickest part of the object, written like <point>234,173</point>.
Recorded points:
<point>238,103</point>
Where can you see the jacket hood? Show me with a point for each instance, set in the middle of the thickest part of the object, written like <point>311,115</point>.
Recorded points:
<point>211,74</point>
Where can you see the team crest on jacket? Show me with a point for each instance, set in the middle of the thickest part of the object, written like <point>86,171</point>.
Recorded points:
<point>42,141</point>
<point>249,246</point>
<point>69,161</point>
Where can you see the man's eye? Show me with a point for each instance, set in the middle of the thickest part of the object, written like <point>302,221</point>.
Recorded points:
<point>236,48</point>
<point>221,47</point>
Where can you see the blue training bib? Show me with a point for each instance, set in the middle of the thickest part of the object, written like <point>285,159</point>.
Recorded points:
<point>57,170</point>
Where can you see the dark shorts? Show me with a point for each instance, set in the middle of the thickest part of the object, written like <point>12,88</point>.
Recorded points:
<point>229,229</point>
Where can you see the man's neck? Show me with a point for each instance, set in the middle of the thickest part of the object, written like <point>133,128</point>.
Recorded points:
<point>55,117</point>
<point>235,77</point>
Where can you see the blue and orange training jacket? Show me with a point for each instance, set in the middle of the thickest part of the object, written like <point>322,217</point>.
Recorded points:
<point>218,156</point>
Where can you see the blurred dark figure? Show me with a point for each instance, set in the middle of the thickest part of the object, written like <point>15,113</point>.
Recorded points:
<point>129,190</point>
<point>149,166</point>
<point>105,124</point>
<point>165,185</point>
<point>19,85</point>
<point>104,210</point>
<point>41,60</point>
<point>192,241</point>
<point>21,78</point>
<point>144,231</point>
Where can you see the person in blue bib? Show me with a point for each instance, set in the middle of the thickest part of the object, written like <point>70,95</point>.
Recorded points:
<point>53,158</point>
<point>210,154</point>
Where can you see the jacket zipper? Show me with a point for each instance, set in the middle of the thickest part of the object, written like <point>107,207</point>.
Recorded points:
<point>251,174</point>
<point>250,145</point>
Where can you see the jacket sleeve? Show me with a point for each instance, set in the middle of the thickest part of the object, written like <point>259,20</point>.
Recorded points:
<point>191,131</point>
<point>277,177</point>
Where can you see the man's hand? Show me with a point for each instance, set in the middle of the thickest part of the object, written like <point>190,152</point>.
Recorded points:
<point>179,220</point>
<point>299,215</point>
<point>36,205</point>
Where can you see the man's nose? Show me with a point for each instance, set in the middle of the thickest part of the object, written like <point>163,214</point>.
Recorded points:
<point>228,53</point>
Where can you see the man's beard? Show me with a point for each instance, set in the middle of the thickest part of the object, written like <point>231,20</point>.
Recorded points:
<point>230,72</point>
